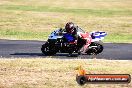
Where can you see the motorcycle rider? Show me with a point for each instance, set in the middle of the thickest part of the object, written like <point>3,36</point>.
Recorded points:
<point>71,34</point>
<point>71,30</point>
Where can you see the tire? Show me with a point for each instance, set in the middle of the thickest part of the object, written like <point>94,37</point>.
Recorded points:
<point>97,49</point>
<point>100,46</point>
<point>81,80</point>
<point>46,50</point>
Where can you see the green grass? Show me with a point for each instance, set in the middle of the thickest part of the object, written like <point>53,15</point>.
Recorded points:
<point>37,19</point>
<point>24,35</point>
<point>120,38</point>
<point>93,12</point>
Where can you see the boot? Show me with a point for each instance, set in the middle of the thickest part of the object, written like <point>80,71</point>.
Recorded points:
<point>84,49</point>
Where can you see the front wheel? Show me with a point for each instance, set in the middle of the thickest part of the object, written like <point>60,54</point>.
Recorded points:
<point>95,48</point>
<point>46,49</point>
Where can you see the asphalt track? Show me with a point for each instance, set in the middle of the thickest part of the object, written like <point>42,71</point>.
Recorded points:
<point>31,48</point>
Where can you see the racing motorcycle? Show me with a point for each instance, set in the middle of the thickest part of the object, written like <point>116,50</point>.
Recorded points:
<point>56,43</point>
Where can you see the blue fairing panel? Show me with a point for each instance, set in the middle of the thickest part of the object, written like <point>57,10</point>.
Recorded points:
<point>69,37</point>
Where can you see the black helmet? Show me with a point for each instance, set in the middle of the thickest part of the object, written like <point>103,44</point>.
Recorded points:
<point>69,27</point>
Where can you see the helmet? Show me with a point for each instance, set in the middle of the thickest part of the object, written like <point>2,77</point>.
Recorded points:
<point>69,27</point>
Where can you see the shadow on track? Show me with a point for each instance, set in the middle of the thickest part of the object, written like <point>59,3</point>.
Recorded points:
<point>58,55</point>
<point>74,56</point>
<point>27,54</point>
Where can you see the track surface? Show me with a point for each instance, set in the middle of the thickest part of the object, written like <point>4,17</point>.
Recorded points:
<point>21,48</point>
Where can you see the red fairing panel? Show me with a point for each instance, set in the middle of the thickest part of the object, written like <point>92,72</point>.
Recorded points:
<point>86,36</point>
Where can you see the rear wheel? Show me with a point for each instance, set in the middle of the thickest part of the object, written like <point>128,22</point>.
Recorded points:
<point>47,49</point>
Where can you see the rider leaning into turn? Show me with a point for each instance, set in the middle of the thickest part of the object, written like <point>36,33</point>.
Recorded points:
<point>72,35</point>
<point>71,32</point>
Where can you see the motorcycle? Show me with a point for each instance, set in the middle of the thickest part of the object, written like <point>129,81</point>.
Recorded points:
<point>57,44</point>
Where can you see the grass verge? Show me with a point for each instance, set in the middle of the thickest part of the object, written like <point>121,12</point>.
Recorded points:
<point>51,72</point>
<point>37,19</point>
